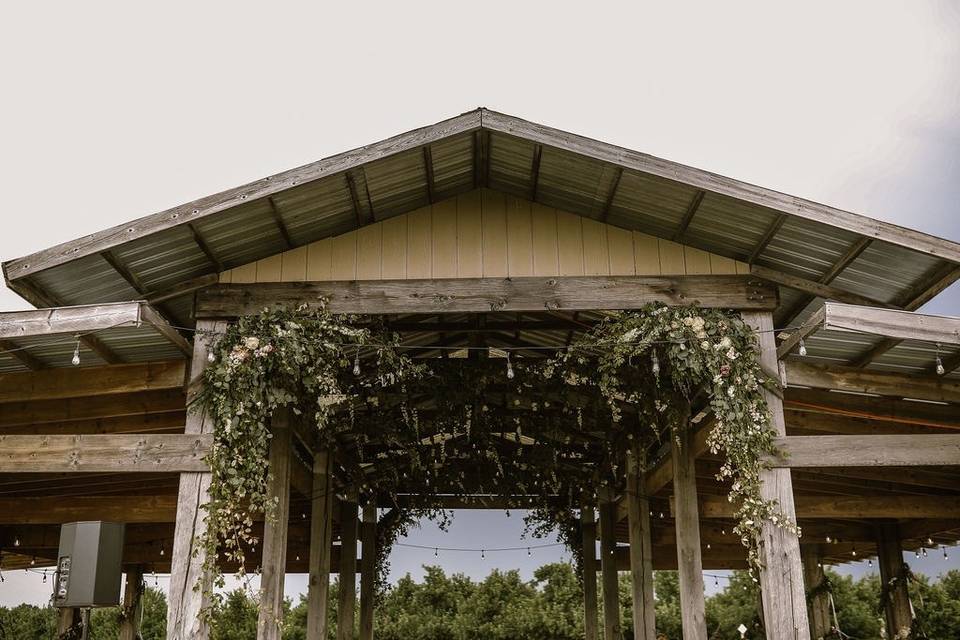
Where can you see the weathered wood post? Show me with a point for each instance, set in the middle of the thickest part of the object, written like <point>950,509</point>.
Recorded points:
<point>274,563</point>
<point>348,567</point>
<point>189,584</point>
<point>321,537</point>
<point>781,579</point>
<point>819,602</point>
<point>608,568</point>
<point>368,569</point>
<point>893,577</point>
<point>132,604</point>
<point>588,528</point>
<point>689,561</point>
<point>67,619</point>
<point>641,552</point>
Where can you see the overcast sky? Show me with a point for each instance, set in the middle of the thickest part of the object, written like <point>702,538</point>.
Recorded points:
<point>113,110</point>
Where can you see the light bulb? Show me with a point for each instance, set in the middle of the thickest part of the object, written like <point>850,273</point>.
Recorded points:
<point>930,541</point>
<point>924,552</point>
<point>482,554</point>
<point>211,357</point>
<point>530,554</point>
<point>509,367</point>
<point>654,363</point>
<point>803,349</point>
<point>356,363</point>
<point>33,561</point>
<point>436,553</point>
<point>829,540</point>
<point>76,353</point>
<point>16,542</point>
<point>917,554</point>
<point>870,562</point>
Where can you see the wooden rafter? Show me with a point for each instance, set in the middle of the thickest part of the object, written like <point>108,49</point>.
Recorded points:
<point>869,451</point>
<point>535,171</point>
<point>768,236</point>
<point>354,198</point>
<point>611,194</point>
<point>931,389</point>
<point>199,240</point>
<point>812,287</point>
<point>20,354</point>
<point>281,226</point>
<point>428,173</point>
<point>115,453</point>
<point>184,288</point>
<point>688,216</point>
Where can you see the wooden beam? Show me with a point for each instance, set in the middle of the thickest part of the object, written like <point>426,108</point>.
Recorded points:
<point>882,383</point>
<point>281,227</point>
<point>68,320</point>
<point>692,607</point>
<point>21,355</point>
<point>768,235</point>
<point>348,568</point>
<point>892,323</point>
<point>151,317</point>
<point>132,604</point>
<point>428,173</point>
<point>589,552</point>
<point>201,242</point>
<point>641,552</point>
<point>608,569</point>
<point>812,287</point>
<point>121,404</point>
<point>608,205</point>
<point>813,324</point>
<point>104,453</point>
<point>168,422</point>
<point>878,409</point>
<point>479,295</point>
<point>321,535</point>
<point>869,451</point>
<point>535,172</point>
<point>368,570</point>
<point>897,607</point>
<point>56,510</point>
<point>813,576</point>
<point>57,384</point>
<point>781,573</point>
<point>688,216</point>
<point>183,288</point>
<point>274,561</point>
<point>850,507</point>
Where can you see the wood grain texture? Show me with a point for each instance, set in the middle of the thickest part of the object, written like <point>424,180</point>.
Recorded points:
<point>820,621</point>
<point>588,528</point>
<point>346,605</point>
<point>321,536</point>
<point>812,506</point>
<point>55,384</point>
<point>68,320</point>
<point>641,552</point>
<point>897,609</point>
<point>368,570</point>
<point>609,578</point>
<point>867,451</point>
<point>689,561</point>
<point>892,323</point>
<point>56,510</point>
<point>104,453</point>
<point>274,560</point>
<point>883,383</point>
<point>132,603</point>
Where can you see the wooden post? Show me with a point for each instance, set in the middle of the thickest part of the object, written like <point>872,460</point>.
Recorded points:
<point>641,553</point>
<point>321,537</point>
<point>68,618</point>
<point>189,584</point>
<point>348,567</point>
<point>781,578</point>
<point>132,604</point>
<point>890,558</point>
<point>368,569</point>
<point>589,529</point>
<point>820,602</point>
<point>608,569</point>
<point>689,560</point>
<point>274,561</point>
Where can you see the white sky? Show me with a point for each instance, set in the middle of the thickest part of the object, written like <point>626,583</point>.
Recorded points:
<point>112,110</point>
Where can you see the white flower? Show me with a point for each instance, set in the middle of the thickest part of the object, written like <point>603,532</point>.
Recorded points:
<point>251,342</point>
<point>725,342</point>
<point>732,354</point>
<point>704,345</point>
<point>630,335</point>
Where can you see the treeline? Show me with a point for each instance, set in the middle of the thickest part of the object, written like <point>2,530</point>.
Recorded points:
<point>505,607</point>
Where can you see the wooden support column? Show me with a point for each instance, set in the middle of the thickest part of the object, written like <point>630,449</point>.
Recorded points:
<point>68,619</point>
<point>368,569</point>
<point>274,561</point>
<point>321,537</point>
<point>892,572</point>
<point>589,530</point>
<point>348,568</point>
<point>132,604</point>
<point>781,578</point>
<point>819,603</point>
<point>689,560</point>
<point>608,568</point>
<point>189,584</point>
<point>641,552</point>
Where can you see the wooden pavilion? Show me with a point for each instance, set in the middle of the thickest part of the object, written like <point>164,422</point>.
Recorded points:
<point>488,230</point>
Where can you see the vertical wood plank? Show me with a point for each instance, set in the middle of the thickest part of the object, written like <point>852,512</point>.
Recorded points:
<point>596,254</point>
<point>742,268</point>
<point>689,560</point>
<point>368,569</point>
<point>348,568</point>
<point>274,561</point>
<point>444,222</point>
<point>469,235</point>
<point>819,602</point>
<point>672,262</point>
<point>696,261</point>
<point>189,583</point>
<point>495,241</point>
<point>344,258</point>
<point>320,260</point>
<point>569,244</point>
<point>394,261</point>
<point>420,243</point>
<point>646,254</point>
<point>245,273</point>
<point>589,530</point>
<point>641,551</point>
<point>132,604</point>
<point>620,245</point>
<point>720,265</point>
<point>293,267</point>
<point>545,259</point>
<point>608,568</point>
<point>68,619</point>
<point>897,608</point>
<point>781,579</point>
<point>519,237</point>
<point>369,251</point>
<point>268,269</point>
<point>321,537</point>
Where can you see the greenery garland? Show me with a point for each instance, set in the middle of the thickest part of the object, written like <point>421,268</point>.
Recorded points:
<point>555,429</point>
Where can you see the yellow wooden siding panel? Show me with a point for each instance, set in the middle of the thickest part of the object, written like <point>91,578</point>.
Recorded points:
<point>394,261</point>
<point>742,268</point>
<point>226,277</point>
<point>445,239</point>
<point>320,260</point>
<point>494,241</point>
<point>569,243</point>
<point>268,269</point>
<point>345,256</point>
<point>245,274</point>
<point>420,243</point>
<point>545,259</point>
<point>596,255</point>
<point>369,251</point>
<point>672,262</point>
<point>293,265</point>
<point>646,254</point>
<point>620,246</point>
<point>469,235</point>
<point>720,265</point>
<point>697,261</point>
<point>519,237</point>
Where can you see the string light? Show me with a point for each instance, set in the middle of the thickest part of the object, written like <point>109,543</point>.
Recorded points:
<point>917,554</point>
<point>654,363</point>
<point>829,540</point>
<point>945,556</point>
<point>803,349</point>
<point>211,357</point>
<point>76,352</point>
<point>482,554</point>
<point>940,370</point>
<point>924,551</point>
<point>33,561</point>
<point>162,551</point>
<point>356,362</point>
<point>869,562</point>
<point>436,553</point>
<point>509,367</point>
<point>853,551</point>
<point>16,542</point>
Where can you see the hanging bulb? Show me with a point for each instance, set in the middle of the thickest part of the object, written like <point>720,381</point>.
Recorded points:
<point>436,553</point>
<point>211,357</point>
<point>509,367</point>
<point>482,554</point>
<point>723,532</point>
<point>76,353</point>
<point>33,561</point>
<point>945,556</point>
<point>298,557</point>
<point>940,369</point>
<point>356,362</point>
<point>708,545</point>
<point>44,577</point>
<point>870,562</point>
<point>654,363</point>
<point>829,540</point>
<point>16,542</point>
<point>917,554</point>
<point>661,515</point>
<point>853,552</point>
<point>803,349</point>
<point>530,554</point>
<point>820,565</point>
<point>716,582</point>
<point>930,541</point>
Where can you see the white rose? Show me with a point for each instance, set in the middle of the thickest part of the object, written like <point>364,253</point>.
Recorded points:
<point>251,343</point>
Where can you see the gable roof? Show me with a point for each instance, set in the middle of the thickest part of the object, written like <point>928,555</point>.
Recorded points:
<point>165,256</point>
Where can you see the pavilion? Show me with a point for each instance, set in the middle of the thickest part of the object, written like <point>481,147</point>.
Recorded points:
<point>488,231</point>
